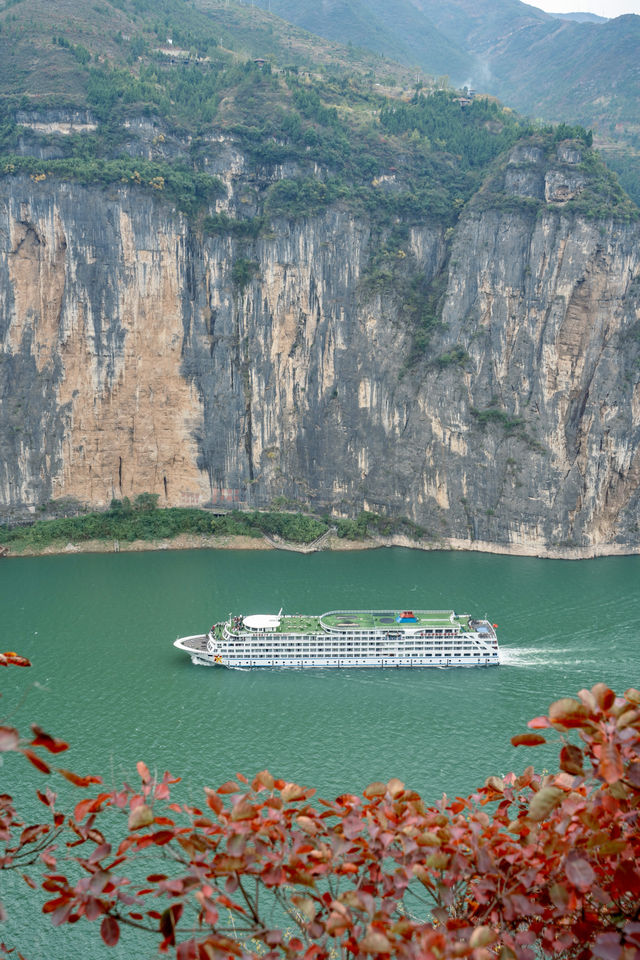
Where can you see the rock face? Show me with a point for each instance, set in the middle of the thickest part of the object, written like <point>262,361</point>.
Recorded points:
<point>140,355</point>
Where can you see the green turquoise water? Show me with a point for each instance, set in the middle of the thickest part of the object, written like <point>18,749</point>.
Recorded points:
<point>105,676</point>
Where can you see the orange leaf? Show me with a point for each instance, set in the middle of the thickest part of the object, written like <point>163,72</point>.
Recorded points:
<point>9,739</point>
<point>495,783</point>
<point>263,779</point>
<point>82,809</point>
<point>143,771</point>
<point>375,942</point>
<point>528,740</point>
<point>29,834</point>
<point>52,905</point>
<point>77,780</point>
<point>42,739</point>
<point>169,921</point>
<point>141,816</point>
<point>36,760</point>
<point>11,659</point>
<point>161,837</point>
<point>213,800</point>
<point>482,937</point>
<point>539,723</point>
<point>610,767</point>
<point>571,760</point>
<point>291,791</point>
<point>229,787</point>
<point>604,696</point>
<point>395,787</point>
<point>543,802</point>
<point>568,713</point>
<point>243,810</point>
<point>375,789</point>
<point>627,718</point>
<point>307,824</point>
<point>110,931</point>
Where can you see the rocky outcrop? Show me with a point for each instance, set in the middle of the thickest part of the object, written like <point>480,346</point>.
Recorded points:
<point>141,355</point>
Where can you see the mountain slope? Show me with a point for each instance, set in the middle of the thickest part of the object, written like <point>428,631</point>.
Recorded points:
<point>47,48</point>
<point>580,17</point>
<point>476,25</point>
<point>396,30</point>
<point>558,69</point>
<point>227,278</point>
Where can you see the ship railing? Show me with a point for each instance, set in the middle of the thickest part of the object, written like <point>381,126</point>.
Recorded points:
<point>258,637</point>
<point>488,640</point>
<point>424,617</point>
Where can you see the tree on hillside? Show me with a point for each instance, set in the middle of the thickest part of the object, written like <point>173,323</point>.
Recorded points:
<point>530,865</point>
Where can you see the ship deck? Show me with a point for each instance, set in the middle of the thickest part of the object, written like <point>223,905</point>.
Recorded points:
<point>393,620</point>
<point>344,621</point>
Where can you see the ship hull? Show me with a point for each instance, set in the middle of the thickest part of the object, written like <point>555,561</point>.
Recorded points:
<point>355,664</point>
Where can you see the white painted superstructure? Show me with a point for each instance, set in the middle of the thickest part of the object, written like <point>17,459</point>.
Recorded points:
<point>347,638</point>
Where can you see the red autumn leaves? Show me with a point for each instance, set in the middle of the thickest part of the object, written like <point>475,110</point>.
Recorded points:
<point>530,865</point>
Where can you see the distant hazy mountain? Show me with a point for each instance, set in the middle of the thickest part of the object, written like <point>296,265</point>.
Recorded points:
<point>398,30</point>
<point>557,69</point>
<point>580,17</point>
<point>477,25</point>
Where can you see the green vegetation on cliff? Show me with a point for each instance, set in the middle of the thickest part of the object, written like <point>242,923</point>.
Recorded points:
<point>188,188</point>
<point>581,72</point>
<point>144,520</point>
<point>152,89</point>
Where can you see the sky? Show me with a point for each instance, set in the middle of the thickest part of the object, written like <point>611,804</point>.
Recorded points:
<point>604,8</point>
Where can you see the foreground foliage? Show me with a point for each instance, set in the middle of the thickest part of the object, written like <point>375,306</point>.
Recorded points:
<point>530,865</point>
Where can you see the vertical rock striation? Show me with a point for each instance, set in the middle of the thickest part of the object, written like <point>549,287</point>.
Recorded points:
<point>134,358</point>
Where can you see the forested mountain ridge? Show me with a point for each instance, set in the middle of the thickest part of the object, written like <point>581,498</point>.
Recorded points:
<point>146,102</point>
<point>569,70</point>
<point>227,279</point>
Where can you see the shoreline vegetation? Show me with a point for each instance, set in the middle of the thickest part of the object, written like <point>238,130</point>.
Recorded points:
<point>141,525</point>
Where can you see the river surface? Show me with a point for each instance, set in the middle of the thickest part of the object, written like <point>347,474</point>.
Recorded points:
<point>99,630</point>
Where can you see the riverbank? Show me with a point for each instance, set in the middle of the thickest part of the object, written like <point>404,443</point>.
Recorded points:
<point>142,525</point>
<point>190,541</point>
<point>329,541</point>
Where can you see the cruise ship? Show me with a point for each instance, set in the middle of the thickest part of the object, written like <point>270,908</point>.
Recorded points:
<point>347,638</point>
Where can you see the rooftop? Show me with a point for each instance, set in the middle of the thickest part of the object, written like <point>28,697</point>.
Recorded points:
<point>391,621</point>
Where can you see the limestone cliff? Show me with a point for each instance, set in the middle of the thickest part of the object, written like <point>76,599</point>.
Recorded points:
<point>137,356</point>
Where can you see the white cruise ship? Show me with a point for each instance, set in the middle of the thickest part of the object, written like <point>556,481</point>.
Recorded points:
<point>347,638</point>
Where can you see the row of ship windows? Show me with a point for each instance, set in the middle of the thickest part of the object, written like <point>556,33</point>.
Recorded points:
<point>352,650</point>
<point>327,656</point>
<point>348,652</point>
<point>350,645</point>
<point>349,648</point>
<point>341,635</point>
<point>376,633</point>
<point>320,651</point>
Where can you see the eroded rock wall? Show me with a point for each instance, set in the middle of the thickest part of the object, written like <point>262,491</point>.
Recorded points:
<point>134,360</point>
